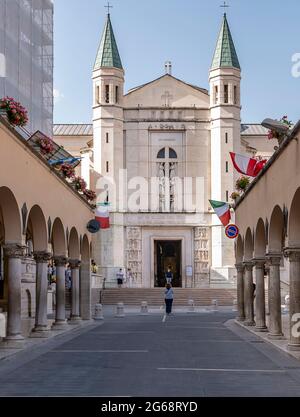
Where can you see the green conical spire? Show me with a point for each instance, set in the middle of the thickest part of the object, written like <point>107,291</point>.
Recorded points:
<point>108,54</point>
<point>225,53</point>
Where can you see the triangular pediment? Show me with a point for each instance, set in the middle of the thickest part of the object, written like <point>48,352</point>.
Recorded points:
<point>167,91</point>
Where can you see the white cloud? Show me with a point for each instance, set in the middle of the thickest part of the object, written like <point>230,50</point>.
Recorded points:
<point>58,95</point>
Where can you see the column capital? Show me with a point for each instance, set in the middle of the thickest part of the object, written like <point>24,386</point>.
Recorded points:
<point>259,263</point>
<point>293,254</point>
<point>274,258</point>
<point>60,260</point>
<point>240,267</point>
<point>42,257</point>
<point>248,265</point>
<point>74,263</point>
<point>14,251</point>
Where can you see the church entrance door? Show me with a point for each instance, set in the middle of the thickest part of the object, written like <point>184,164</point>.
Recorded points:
<point>168,255</point>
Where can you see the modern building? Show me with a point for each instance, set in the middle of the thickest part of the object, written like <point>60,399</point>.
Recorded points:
<point>164,146</point>
<point>26,58</point>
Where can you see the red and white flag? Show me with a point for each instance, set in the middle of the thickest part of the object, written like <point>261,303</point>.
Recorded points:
<point>247,166</point>
<point>102,217</point>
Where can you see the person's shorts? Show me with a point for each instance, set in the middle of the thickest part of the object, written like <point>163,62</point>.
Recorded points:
<point>120,281</point>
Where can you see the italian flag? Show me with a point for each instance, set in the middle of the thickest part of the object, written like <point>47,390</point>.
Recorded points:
<point>245,165</point>
<point>102,216</point>
<point>222,210</point>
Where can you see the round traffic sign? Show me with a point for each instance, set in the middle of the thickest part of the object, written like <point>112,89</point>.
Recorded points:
<point>93,226</point>
<point>232,231</point>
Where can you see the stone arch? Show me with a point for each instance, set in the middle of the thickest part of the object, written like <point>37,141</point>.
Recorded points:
<point>248,246</point>
<point>294,221</point>
<point>276,231</point>
<point>58,238</point>
<point>37,225</point>
<point>239,250</point>
<point>260,240</point>
<point>85,249</point>
<point>10,216</point>
<point>74,245</point>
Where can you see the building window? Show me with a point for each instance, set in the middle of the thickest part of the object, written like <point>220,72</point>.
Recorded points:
<point>216,94</point>
<point>107,94</point>
<point>235,95</point>
<point>227,167</point>
<point>117,94</point>
<point>226,137</point>
<point>107,137</point>
<point>107,167</point>
<point>227,196</point>
<point>98,94</point>
<point>226,97</point>
<point>161,154</point>
<point>172,154</point>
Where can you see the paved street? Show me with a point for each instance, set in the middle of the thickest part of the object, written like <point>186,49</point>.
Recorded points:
<point>202,354</point>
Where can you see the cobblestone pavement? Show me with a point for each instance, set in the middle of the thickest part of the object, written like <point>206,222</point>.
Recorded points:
<point>204,354</point>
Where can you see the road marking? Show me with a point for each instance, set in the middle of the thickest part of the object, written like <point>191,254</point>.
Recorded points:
<point>100,351</point>
<point>112,333</point>
<point>222,370</point>
<point>164,318</point>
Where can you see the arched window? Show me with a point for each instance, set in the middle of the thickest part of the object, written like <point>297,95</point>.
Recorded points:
<point>172,154</point>
<point>161,154</point>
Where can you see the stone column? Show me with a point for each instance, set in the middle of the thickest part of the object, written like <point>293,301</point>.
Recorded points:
<point>75,313</point>
<point>41,311</point>
<point>268,280</point>
<point>14,338</point>
<point>275,325</point>
<point>240,292</point>
<point>260,298</point>
<point>294,258</point>
<point>60,318</point>
<point>85,291</point>
<point>248,294</point>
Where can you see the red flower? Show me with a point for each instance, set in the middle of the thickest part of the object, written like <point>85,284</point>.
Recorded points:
<point>16,113</point>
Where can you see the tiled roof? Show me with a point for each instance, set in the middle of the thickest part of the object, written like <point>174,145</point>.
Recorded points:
<point>225,53</point>
<point>87,130</point>
<point>253,130</point>
<point>108,54</point>
<point>73,130</point>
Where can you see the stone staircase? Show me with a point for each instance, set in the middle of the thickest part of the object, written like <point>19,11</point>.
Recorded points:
<point>155,296</point>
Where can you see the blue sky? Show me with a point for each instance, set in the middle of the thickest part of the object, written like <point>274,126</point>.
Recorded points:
<point>149,32</point>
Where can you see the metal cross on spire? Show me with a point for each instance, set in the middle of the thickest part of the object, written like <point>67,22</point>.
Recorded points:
<point>108,7</point>
<point>225,6</point>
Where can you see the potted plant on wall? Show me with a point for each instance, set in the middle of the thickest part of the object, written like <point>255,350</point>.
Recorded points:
<point>16,114</point>
<point>67,170</point>
<point>46,145</point>
<point>234,196</point>
<point>79,184</point>
<point>242,183</point>
<point>90,195</point>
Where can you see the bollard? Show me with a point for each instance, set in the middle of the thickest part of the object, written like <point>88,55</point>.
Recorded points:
<point>120,310</point>
<point>144,308</point>
<point>2,324</point>
<point>286,304</point>
<point>215,305</point>
<point>98,312</point>
<point>234,307</point>
<point>191,305</point>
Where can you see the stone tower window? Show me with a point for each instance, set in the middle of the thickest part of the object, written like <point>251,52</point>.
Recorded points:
<point>235,98</point>
<point>216,91</point>
<point>226,94</point>
<point>107,94</point>
<point>117,94</point>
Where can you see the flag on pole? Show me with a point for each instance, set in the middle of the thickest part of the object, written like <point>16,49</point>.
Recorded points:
<point>247,166</point>
<point>102,216</point>
<point>222,210</point>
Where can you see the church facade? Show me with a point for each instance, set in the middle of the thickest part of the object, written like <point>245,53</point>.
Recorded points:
<point>157,154</point>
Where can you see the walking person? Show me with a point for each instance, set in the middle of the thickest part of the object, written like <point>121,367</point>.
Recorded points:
<point>169,276</point>
<point>120,278</point>
<point>169,298</point>
<point>129,278</point>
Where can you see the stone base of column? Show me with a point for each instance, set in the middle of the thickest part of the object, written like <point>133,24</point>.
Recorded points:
<point>75,320</point>
<point>60,325</point>
<point>261,329</point>
<point>293,346</point>
<point>13,342</point>
<point>249,323</point>
<point>40,332</point>
<point>279,336</point>
<point>241,319</point>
